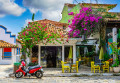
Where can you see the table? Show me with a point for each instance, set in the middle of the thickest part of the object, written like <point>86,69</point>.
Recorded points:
<point>99,64</point>
<point>70,65</point>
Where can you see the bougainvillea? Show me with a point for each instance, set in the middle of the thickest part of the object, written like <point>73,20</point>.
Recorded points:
<point>83,23</point>
<point>36,33</point>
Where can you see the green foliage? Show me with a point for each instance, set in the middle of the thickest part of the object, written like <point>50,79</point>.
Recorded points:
<point>90,54</point>
<point>101,10</point>
<point>36,33</point>
<point>110,7</point>
<point>106,57</point>
<point>115,50</point>
<point>116,63</point>
<point>107,15</point>
<point>33,17</point>
<point>32,64</point>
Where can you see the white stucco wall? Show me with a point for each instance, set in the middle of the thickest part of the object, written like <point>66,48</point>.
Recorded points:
<point>4,61</point>
<point>6,36</point>
<point>18,44</point>
<point>18,55</point>
<point>96,36</point>
<point>0,54</point>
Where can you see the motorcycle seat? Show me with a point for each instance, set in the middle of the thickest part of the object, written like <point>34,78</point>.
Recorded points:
<point>33,67</point>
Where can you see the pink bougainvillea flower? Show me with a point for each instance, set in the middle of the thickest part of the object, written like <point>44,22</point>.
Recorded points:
<point>85,20</point>
<point>71,13</point>
<point>68,21</point>
<point>85,29</point>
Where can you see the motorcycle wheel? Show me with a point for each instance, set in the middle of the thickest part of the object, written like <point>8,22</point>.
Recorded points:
<point>18,74</point>
<point>38,74</point>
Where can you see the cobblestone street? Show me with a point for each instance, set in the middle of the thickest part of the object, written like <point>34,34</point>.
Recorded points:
<point>103,79</point>
<point>49,77</point>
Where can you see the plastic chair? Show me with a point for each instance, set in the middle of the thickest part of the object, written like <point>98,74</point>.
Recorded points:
<point>94,67</point>
<point>75,67</point>
<point>106,66</point>
<point>65,67</point>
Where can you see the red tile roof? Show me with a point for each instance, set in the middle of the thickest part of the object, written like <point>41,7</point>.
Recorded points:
<point>20,41</point>
<point>4,44</point>
<point>57,24</point>
<point>92,4</point>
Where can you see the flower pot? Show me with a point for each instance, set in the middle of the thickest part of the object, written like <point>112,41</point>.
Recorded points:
<point>119,67</point>
<point>116,69</point>
<point>111,69</point>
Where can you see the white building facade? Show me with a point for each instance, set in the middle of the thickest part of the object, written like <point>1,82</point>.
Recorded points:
<point>9,47</point>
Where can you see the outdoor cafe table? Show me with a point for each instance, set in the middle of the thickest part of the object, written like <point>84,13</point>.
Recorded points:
<point>70,65</point>
<point>99,64</point>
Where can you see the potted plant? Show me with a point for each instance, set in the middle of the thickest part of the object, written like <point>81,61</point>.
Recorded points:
<point>111,69</point>
<point>115,51</point>
<point>116,68</point>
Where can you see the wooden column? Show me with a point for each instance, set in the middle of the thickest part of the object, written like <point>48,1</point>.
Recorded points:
<point>63,53</point>
<point>74,53</point>
<point>114,31</point>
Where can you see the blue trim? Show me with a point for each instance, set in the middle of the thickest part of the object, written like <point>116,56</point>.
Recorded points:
<point>8,33</point>
<point>17,50</point>
<point>6,54</point>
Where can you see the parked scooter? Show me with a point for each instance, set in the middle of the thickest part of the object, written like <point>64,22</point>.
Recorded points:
<point>30,71</point>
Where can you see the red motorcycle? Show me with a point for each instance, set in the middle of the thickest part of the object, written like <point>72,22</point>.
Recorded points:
<point>30,71</point>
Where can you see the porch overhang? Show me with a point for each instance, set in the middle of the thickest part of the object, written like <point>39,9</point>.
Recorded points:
<point>71,41</point>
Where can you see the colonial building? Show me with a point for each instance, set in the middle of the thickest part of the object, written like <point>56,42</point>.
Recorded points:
<point>51,55</point>
<point>9,47</point>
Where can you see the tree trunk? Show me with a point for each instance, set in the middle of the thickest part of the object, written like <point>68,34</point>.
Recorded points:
<point>28,58</point>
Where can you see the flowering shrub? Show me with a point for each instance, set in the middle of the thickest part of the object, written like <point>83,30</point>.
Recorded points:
<point>36,33</point>
<point>83,23</point>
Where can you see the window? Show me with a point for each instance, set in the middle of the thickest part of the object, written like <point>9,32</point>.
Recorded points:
<point>18,50</point>
<point>7,53</point>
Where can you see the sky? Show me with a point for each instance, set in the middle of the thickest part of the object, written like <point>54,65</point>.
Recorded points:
<point>15,14</point>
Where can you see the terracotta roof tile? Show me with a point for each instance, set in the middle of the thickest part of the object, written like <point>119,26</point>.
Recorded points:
<point>72,5</point>
<point>57,29</point>
<point>20,41</point>
<point>46,21</point>
<point>4,44</point>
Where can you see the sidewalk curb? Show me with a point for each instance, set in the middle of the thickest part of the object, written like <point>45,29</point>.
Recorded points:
<point>76,74</point>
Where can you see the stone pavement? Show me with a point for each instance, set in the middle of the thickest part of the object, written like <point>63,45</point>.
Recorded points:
<point>97,79</point>
<point>83,71</point>
<point>54,75</point>
<point>5,70</point>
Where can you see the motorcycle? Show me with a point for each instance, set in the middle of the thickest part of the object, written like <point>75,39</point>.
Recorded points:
<point>30,71</point>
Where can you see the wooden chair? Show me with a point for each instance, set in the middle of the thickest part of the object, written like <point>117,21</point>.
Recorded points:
<point>75,67</point>
<point>94,67</point>
<point>65,67</point>
<point>106,66</point>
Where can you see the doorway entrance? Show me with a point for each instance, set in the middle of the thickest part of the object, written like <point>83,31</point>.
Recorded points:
<point>51,56</point>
